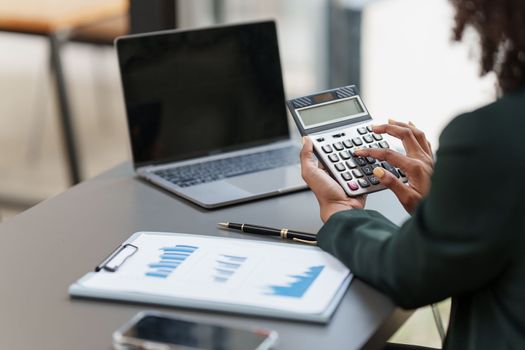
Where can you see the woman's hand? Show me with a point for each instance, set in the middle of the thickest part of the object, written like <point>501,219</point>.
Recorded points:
<point>330,195</point>
<point>418,164</point>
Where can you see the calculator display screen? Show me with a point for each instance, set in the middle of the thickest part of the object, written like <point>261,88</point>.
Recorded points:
<point>331,112</point>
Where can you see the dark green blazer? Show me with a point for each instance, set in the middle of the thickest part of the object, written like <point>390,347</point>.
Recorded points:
<point>466,239</point>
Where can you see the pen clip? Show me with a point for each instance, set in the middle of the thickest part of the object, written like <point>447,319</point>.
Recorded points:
<point>304,241</point>
<point>117,258</point>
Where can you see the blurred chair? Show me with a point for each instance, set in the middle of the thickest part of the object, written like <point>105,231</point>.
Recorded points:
<point>94,21</point>
<point>57,20</point>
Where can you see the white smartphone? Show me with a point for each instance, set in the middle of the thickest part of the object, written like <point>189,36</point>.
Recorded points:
<point>159,331</point>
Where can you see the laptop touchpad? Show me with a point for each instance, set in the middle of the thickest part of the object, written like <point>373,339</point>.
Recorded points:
<point>266,181</point>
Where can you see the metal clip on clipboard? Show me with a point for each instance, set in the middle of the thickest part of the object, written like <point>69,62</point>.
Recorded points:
<point>117,258</point>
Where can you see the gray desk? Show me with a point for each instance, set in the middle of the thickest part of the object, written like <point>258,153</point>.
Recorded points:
<point>45,249</point>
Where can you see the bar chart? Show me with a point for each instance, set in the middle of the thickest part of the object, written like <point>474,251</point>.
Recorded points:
<point>226,266</point>
<point>170,259</point>
<point>299,286</point>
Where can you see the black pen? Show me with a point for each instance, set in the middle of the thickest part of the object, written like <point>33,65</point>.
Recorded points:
<point>284,233</point>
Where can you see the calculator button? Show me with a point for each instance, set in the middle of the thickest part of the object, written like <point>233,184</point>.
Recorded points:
<point>390,168</point>
<point>357,141</point>
<point>368,138</point>
<point>345,155</point>
<point>361,161</point>
<point>374,145</point>
<point>340,167</point>
<point>346,176</point>
<point>353,186</point>
<point>375,166</point>
<point>338,146</point>
<point>333,157</point>
<point>368,170</point>
<point>351,164</point>
<point>357,173</point>
<point>377,137</point>
<point>401,173</point>
<point>384,144</point>
<point>373,180</point>
<point>369,128</point>
<point>363,183</point>
<point>362,131</point>
<point>321,139</point>
<point>370,160</point>
<point>327,149</point>
<point>352,151</point>
<point>348,144</point>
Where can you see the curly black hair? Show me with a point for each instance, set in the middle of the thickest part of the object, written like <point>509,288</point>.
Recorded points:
<point>501,28</point>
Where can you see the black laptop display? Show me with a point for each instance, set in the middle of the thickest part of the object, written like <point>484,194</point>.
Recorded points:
<point>202,92</point>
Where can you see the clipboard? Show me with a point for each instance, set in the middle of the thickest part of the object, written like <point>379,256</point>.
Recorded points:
<point>240,276</point>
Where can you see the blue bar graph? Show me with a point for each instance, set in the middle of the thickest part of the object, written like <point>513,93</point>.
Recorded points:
<point>170,259</point>
<point>173,257</point>
<point>235,258</point>
<point>226,266</point>
<point>157,274</point>
<point>181,249</point>
<point>298,288</point>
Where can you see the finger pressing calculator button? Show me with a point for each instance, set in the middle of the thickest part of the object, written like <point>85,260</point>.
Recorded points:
<point>361,161</point>
<point>344,155</point>
<point>357,141</point>
<point>367,170</point>
<point>390,168</point>
<point>357,173</point>
<point>340,167</point>
<point>348,144</point>
<point>370,160</point>
<point>327,149</point>
<point>384,144</point>
<point>369,128</point>
<point>333,157</point>
<point>373,180</point>
<point>338,146</point>
<point>351,164</point>
<point>363,183</point>
<point>346,176</point>
<point>368,138</point>
<point>377,137</point>
<point>362,131</point>
<point>353,186</point>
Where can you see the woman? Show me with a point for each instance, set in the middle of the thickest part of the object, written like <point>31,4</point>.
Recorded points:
<point>466,236</point>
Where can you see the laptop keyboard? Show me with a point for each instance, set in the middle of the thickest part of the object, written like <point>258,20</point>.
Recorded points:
<point>194,174</point>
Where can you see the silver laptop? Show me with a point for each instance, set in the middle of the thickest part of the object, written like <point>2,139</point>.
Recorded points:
<point>206,113</point>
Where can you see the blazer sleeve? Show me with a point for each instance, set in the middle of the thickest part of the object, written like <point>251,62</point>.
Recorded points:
<point>454,243</point>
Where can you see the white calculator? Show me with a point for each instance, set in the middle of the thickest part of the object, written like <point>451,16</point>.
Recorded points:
<point>338,123</point>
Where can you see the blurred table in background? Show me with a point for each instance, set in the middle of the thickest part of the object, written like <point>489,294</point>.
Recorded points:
<point>59,20</point>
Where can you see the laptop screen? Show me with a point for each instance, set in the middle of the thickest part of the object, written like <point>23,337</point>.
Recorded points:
<point>201,92</point>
